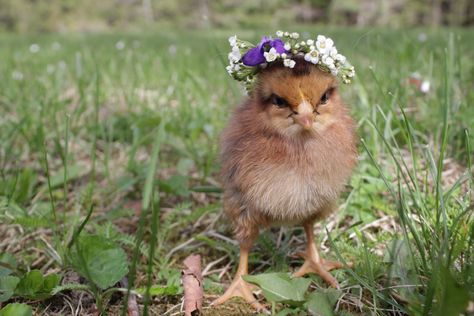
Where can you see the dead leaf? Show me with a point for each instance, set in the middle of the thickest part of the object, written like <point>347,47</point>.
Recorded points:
<point>192,284</point>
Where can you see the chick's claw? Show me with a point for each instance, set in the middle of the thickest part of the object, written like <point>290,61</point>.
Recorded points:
<point>331,265</point>
<point>327,264</point>
<point>239,288</point>
<point>320,268</point>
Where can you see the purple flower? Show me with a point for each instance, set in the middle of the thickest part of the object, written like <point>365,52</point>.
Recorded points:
<point>255,56</point>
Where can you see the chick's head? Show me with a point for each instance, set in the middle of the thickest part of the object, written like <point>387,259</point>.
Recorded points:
<point>303,100</point>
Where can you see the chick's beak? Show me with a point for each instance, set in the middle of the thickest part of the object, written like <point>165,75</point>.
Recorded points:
<point>304,116</point>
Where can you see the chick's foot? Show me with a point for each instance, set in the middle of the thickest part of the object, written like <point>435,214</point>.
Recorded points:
<point>319,266</point>
<point>314,263</point>
<point>240,288</point>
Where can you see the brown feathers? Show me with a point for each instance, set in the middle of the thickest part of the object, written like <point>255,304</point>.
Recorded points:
<point>287,151</point>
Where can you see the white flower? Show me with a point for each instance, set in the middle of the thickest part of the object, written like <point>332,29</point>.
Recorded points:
<point>286,34</point>
<point>324,44</point>
<point>283,55</point>
<point>279,33</point>
<point>56,46</point>
<point>234,55</point>
<point>34,48</point>
<point>233,40</point>
<point>172,49</point>
<point>232,68</point>
<point>17,75</point>
<point>287,46</point>
<point>312,57</point>
<point>236,51</point>
<point>425,86</point>
<point>297,45</point>
<point>351,72</point>
<point>336,56</point>
<point>270,55</point>
<point>290,63</point>
<point>310,42</point>
<point>328,61</point>
<point>312,47</point>
<point>422,37</point>
<point>294,35</point>
<point>50,69</point>
<point>341,58</point>
<point>120,45</point>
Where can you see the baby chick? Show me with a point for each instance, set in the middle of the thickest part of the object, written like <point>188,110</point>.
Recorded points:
<point>286,154</point>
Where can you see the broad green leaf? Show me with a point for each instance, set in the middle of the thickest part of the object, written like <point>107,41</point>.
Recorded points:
<point>211,286</point>
<point>290,311</point>
<point>50,282</point>
<point>322,303</point>
<point>99,260</point>
<point>7,264</point>
<point>454,297</point>
<point>280,287</point>
<point>184,165</point>
<point>15,210</point>
<point>8,284</point>
<point>16,309</point>
<point>30,284</point>
<point>176,184</point>
<point>34,285</point>
<point>25,183</point>
<point>57,179</point>
<point>401,268</point>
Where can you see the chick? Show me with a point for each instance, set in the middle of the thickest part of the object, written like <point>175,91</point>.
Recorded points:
<point>286,154</point>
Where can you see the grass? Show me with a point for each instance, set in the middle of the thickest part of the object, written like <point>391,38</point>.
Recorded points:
<point>123,144</point>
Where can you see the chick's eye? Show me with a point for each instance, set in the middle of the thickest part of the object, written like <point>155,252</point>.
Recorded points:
<point>278,101</point>
<point>326,96</point>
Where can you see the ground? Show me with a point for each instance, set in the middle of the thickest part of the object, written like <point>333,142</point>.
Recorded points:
<point>135,119</point>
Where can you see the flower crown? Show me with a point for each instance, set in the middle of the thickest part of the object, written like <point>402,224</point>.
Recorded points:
<point>245,58</point>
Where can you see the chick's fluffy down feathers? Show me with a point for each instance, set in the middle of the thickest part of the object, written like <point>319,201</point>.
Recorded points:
<point>270,178</point>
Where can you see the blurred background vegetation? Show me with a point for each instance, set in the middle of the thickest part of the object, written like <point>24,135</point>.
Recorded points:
<point>33,16</point>
<point>115,129</point>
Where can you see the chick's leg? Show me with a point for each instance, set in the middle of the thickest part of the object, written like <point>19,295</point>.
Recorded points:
<point>238,286</point>
<point>314,263</point>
